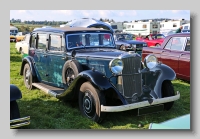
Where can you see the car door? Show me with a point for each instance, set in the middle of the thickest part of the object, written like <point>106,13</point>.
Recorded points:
<point>40,56</point>
<point>172,51</point>
<point>55,59</point>
<point>184,61</point>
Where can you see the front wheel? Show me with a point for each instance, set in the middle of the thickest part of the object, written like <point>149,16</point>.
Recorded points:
<point>168,91</point>
<point>14,110</point>
<point>90,101</point>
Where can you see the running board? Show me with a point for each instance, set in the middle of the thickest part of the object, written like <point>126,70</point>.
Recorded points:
<point>50,90</point>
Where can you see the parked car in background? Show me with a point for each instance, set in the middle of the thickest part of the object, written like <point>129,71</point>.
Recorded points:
<point>12,37</point>
<point>23,46</point>
<point>174,52</point>
<point>15,120</point>
<point>169,32</point>
<point>152,40</point>
<point>125,42</point>
<point>83,64</point>
<point>13,30</point>
<point>186,28</point>
<point>181,122</point>
<point>20,36</point>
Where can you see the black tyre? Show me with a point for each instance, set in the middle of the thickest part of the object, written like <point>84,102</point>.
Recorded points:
<point>14,110</point>
<point>71,70</point>
<point>167,91</point>
<point>90,101</point>
<point>157,45</point>
<point>28,78</point>
<point>121,47</point>
<point>20,50</point>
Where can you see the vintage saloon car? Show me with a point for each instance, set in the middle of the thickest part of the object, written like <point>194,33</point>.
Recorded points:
<point>125,42</point>
<point>83,64</point>
<point>15,120</point>
<point>174,52</point>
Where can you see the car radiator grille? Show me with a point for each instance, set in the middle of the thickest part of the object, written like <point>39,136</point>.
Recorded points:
<point>131,79</point>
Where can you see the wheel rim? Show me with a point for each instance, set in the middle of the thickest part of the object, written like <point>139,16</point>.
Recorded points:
<point>88,105</point>
<point>27,77</point>
<point>70,75</point>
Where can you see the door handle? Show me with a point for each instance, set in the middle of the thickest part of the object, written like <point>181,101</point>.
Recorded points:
<point>163,51</point>
<point>182,54</point>
<point>44,55</point>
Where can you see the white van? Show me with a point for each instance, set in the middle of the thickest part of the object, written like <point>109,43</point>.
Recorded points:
<point>186,28</point>
<point>13,30</point>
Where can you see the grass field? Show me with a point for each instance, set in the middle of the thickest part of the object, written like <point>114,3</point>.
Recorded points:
<point>47,112</point>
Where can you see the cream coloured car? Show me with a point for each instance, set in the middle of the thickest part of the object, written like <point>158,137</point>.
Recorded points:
<point>23,45</point>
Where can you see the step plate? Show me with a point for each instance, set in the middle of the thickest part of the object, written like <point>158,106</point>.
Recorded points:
<point>51,90</point>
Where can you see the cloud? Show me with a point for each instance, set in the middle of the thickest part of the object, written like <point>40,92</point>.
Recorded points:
<point>65,12</point>
<point>104,13</point>
<point>175,11</point>
<point>21,11</point>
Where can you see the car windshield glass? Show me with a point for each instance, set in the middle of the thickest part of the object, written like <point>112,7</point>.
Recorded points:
<point>89,40</point>
<point>125,37</point>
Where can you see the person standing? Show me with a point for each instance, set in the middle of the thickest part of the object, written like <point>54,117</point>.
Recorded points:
<point>179,29</point>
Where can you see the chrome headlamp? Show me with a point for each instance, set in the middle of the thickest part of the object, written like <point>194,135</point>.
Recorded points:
<point>150,61</point>
<point>116,66</point>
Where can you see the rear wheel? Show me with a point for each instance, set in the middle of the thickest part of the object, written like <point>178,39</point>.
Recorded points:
<point>90,101</point>
<point>167,91</point>
<point>71,70</point>
<point>20,50</point>
<point>28,78</point>
<point>157,45</point>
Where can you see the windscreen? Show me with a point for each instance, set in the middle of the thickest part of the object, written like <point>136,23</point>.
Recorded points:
<point>89,40</point>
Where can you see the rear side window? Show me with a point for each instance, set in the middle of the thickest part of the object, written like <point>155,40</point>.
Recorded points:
<point>42,40</point>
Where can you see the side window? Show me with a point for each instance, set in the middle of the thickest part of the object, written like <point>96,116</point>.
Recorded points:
<point>178,43</point>
<point>42,39</point>
<point>33,36</point>
<point>55,43</point>
<point>187,47</point>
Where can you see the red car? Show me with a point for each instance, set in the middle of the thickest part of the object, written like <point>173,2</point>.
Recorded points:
<point>174,52</point>
<point>152,40</point>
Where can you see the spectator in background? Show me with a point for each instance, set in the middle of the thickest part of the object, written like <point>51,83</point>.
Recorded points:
<point>150,36</point>
<point>179,29</point>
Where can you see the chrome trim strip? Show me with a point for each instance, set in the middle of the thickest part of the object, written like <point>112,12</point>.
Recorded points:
<point>139,104</point>
<point>20,122</point>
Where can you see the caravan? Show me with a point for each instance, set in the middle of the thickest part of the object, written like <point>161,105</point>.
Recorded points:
<point>186,28</point>
<point>13,30</point>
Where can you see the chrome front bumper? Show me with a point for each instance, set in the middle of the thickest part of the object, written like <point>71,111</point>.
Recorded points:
<point>139,104</point>
<point>15,123</point>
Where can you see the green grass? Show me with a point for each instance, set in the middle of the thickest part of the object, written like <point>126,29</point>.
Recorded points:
<point>47,112</point>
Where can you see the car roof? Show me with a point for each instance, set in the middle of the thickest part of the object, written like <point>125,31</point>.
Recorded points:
<point>68,29</point>
<point>179,34</point>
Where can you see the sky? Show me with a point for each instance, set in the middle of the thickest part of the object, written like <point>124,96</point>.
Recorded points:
<point>116,15</point>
